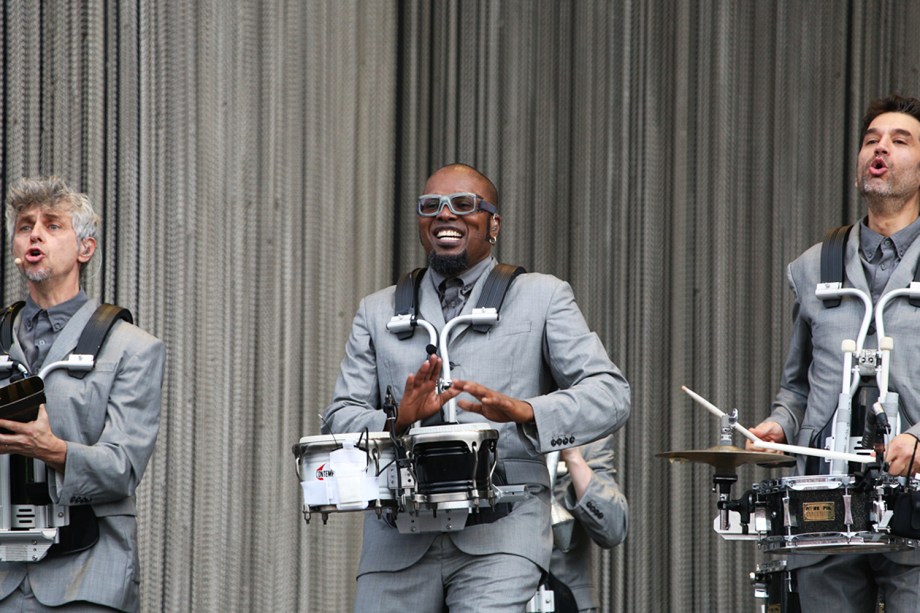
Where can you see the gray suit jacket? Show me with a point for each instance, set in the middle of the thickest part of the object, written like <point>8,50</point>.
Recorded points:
<point>109,420</point>
<point>601,516</point>
<point>812,377</point>
<point>540,351</point>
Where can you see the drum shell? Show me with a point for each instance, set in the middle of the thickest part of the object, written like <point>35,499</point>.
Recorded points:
<point>318,480</point>
<point>814,518</point>
<point>446,467</point>
<point>816,510</point>
<point>453,461</point>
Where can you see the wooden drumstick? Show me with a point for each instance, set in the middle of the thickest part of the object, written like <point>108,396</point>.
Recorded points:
<point>821,453</point>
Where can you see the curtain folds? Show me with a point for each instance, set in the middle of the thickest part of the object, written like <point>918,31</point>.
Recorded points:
<point>255,165</point>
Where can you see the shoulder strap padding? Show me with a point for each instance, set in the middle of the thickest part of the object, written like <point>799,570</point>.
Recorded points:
<point>833,256</point>
<point>916,301</point>
<point>96,331</point>
<point>407,297</point>
<point>7,318</point>
<point>493,292</point>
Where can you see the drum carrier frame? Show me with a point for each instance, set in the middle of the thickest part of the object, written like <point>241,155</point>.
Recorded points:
<point>35,527</point>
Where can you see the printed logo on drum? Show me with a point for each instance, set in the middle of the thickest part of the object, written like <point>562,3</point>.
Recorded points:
<point>819,511</point>
<point>322,472</point>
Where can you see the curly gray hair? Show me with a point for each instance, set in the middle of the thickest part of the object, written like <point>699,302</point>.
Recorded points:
<point>53,193</point>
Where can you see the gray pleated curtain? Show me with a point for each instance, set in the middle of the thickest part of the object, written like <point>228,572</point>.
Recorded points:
<point>255,164</point>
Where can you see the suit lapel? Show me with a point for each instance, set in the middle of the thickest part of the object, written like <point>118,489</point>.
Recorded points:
<point>66,341</point>
<point>904,273</point>
<point>472,301</point>
<point>855,273</point>
<point>16,351</point>
<point>429,304</point>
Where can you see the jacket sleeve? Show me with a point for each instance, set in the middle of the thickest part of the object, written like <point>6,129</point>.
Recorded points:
<point>356,389</point>
<point>110,468</point>
<point>592,399</point>
<point>788,408</point>
<point>603,511</point>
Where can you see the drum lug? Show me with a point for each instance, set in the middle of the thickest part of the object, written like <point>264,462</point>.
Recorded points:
<point>787,515</point>
<point>847,511</point>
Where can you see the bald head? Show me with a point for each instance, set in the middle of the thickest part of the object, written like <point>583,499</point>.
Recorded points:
<point>464,173</point>
<point>456,242</point>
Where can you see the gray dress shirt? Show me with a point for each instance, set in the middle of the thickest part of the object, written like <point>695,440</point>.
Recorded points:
<point>454,292</point>
<point>38,327</point>
<point>880,255</point>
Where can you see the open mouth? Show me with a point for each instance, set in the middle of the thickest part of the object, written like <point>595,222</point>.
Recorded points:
<point>878,167</point>
<point>448,235</point>
<point>34,255</point>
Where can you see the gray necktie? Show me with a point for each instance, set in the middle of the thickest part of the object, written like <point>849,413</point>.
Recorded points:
<point>451,304</point>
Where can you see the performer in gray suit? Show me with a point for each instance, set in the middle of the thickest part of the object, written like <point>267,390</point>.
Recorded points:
<point>95,434</point>
<point>881,255</point>
<point>588,490</point>
<point>539,376</point>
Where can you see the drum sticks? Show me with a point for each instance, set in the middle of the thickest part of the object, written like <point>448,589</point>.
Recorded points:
<point>821,453</point>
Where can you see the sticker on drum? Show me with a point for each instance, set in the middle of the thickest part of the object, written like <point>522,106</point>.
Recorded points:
<point>345,472</point>
<point>824,514</point>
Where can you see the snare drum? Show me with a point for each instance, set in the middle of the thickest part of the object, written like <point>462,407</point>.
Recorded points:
<point>345,472</point>
<point>452,465</point>
<point>823,514</point>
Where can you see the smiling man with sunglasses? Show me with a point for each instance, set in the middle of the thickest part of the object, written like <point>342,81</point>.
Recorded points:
<point>539,376</point>
<point>458,229</point>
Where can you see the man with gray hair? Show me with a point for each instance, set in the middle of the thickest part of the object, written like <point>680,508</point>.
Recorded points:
<point>94,434</point>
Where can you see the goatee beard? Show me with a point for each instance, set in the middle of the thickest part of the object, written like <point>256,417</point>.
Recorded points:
<point>38,276</point>
<point>449,265</point>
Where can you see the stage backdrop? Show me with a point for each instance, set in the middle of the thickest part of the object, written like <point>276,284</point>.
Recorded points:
<point>256,163</point>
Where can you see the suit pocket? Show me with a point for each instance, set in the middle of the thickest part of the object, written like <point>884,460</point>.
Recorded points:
<point>510,328</point>
<point>105,366</point>
<point>91,395</point>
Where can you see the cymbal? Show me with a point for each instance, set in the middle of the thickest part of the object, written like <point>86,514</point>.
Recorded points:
<point>729,457</point>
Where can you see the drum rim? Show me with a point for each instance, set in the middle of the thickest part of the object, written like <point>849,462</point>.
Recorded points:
<point>476,426</point>
<point>823,543</point>
<point>803,481</point>
<point>345,436</point>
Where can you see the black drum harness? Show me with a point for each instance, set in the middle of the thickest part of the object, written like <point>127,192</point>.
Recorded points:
<point>865,422</point>
<point>82,530</point>
<point>493,293</point>
<point>406,314</point>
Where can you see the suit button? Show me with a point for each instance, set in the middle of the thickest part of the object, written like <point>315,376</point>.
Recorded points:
<point>553,442</point>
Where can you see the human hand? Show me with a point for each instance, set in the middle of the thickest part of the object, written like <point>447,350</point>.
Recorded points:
<point>579,471</point>
<point>493,405</point>
<point>420,397</point>
<point>34,439</point>
<point>768,431</point>
<point>571,455</point>
<point>899,454</point>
